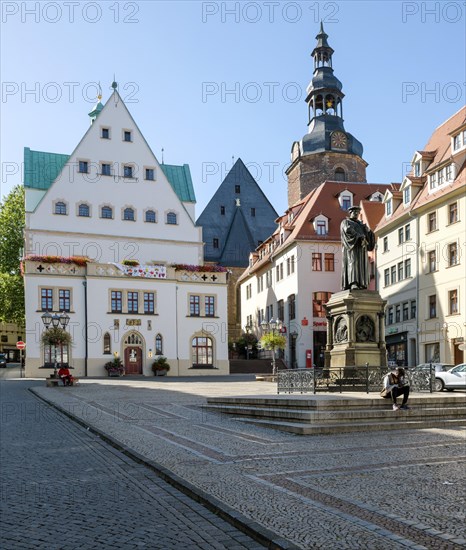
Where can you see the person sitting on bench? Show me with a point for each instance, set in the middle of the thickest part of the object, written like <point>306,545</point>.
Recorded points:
<point>65,374</point>
<point>394,385</point>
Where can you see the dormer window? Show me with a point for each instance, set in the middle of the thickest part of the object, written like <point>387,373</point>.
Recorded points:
<point>433,180</point>
<point>448,173</point>
<point>459,141</point>
<point>321,225</point>
<point>376,197</point>
<point>346,200</point>
<point>407,195</point>
<point>417,169</point>
<point>388,207</point>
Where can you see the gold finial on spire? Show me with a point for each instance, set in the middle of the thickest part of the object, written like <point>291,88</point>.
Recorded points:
<point>99,95</point>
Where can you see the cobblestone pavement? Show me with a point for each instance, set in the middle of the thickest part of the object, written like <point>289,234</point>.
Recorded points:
<point>63,487</point>
<point>373,491</point>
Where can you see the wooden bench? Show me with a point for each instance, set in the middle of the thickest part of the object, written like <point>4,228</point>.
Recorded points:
<point>55,382</point>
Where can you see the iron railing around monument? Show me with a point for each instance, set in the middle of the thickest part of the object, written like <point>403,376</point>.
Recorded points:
<point>339,379</point>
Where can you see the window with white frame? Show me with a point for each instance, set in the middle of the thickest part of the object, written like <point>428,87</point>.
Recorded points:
<point>105,169</point>
<point>202,351</point>
<point>150,216</point>
<point>388,207</point>
<point>158,344</point>
<point>149,174</point>
<point>106,212</point>
<point>60,208</point>
<point>172,218</point>
<point>128,214</point>
<point>453,302</point>
<point>321,227</point>
<point>107,344</point>
<point>83,167</point>
<point>346,200</point>
<point>84,210</point>
<point>407,195</point>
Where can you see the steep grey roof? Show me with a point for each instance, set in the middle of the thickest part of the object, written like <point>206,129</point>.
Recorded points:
<point>238,231</point>
<point>318,139</point>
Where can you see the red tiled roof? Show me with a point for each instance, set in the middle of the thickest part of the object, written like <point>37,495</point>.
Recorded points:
<point>372,212</point>
<point>440,142</point>
<point>322,200</point>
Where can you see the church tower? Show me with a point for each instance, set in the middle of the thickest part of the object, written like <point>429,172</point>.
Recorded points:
<point>327,151</point>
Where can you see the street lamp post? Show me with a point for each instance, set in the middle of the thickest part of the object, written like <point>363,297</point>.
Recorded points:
<point>248,329</point>
<point>273,327</point>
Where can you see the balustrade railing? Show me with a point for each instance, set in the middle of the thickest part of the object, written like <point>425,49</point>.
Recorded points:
<point>362,379</point>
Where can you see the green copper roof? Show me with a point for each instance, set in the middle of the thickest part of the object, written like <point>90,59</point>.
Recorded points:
<point>180,179</point>
<point>41,169</point>
<point>96,110</point>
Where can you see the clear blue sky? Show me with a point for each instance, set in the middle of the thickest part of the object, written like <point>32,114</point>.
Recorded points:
<point>166,54</point>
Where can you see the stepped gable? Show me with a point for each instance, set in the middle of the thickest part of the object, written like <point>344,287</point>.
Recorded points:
<point>237,218</point>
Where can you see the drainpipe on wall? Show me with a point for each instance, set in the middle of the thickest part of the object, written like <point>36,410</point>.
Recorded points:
<point>85,329</point>
<point>176,330</point>
<point>418,309</point>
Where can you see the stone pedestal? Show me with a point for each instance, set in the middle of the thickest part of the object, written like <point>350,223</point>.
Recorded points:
<point>355,333</point>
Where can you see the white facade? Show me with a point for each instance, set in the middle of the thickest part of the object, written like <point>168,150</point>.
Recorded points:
<point>297,286</point>
<point>114,179</point>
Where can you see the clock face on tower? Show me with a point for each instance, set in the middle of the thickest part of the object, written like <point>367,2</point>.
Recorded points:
<point>339,141</point>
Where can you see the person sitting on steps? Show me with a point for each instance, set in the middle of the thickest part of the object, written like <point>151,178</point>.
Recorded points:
<point>394,385</point>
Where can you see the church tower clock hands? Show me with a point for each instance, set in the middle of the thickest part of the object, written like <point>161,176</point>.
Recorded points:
<point>327,151</point>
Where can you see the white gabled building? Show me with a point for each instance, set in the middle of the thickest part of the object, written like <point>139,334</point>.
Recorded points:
<point>112,202</point>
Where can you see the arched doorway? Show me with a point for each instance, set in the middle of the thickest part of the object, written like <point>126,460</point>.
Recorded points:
<point>132,349</point>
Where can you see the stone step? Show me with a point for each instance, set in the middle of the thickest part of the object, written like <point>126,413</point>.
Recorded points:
<point>326,429</point>
<point>314,403</point>
<point>331,416</point>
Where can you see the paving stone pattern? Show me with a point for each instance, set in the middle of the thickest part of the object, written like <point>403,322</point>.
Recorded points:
<point>63,488</point>
<point>379,490</point>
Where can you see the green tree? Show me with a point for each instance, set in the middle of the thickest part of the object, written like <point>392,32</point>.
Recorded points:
<point>11,243</point>
<point>11,298</point>
<point>12,217</point>
<point>273,341</point>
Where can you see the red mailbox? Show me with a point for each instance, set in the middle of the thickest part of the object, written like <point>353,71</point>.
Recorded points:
<point>309,358</point>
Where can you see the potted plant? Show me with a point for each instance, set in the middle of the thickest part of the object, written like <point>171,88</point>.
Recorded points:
<point>115,367</point>
<point>160,366</point>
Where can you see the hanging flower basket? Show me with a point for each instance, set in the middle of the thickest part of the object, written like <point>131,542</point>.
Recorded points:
<point>56,336</point>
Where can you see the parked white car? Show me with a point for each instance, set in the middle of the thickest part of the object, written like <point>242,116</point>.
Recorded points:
<point>454,378</point>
